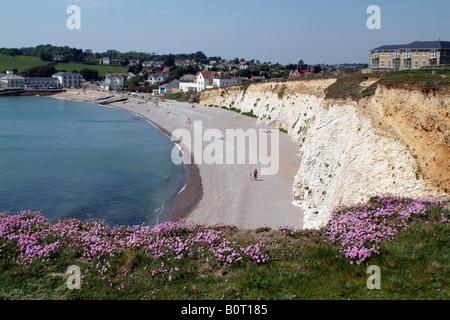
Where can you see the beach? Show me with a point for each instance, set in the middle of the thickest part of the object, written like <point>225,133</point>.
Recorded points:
<point>219,193</point>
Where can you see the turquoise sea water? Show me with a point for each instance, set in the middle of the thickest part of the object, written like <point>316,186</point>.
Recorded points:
<point>78,160</point>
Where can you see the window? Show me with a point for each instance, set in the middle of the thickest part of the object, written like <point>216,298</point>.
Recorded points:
<point>382,63</point>
<point>416,63</point>
<point>389,64</point>
<point>417,53</point>
<point>424,63</point>
<point>424,53</point>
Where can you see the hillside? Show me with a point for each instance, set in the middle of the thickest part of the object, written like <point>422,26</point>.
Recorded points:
<point>24,62</point>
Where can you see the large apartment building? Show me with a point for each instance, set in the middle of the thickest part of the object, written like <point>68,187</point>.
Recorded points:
<point>415,55</point>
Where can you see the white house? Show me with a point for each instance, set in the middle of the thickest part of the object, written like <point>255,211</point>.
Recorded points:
<point>208,80</point>
<point>133,62</point>
<point>106,61</point>
<point>116,81</point>
<point>12,81</point>
<point>221,79</point>
<point>69,79</point>
<point>157,78</point>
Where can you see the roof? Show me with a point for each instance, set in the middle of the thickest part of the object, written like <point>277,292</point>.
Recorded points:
<point>59,74</point>
<point>206,74</point>
<point>418,45</point>
<point>12,76</point>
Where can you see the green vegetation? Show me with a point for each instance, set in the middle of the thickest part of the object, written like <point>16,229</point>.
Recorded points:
<point>20,63</point>
<point>102,70</point>
<point>281,93</point>
<point>302,265</point>
<point>421,77</point>
<point>250,114</point>
<point>184,97</point>
<point>349,86</point>
<point>39,71</point>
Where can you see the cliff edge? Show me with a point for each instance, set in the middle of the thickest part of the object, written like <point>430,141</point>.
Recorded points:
<point>392,139</point>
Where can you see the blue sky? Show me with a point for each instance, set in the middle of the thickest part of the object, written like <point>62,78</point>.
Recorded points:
<point>284,31</point>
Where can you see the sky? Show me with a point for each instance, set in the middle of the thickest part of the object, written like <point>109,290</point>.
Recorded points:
<point>282,31</point>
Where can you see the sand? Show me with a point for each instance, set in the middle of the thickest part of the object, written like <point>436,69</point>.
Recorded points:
<point>220,193</point>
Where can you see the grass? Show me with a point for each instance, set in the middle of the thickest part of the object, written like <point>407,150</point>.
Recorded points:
<point>349,86</point>
<point>250,114</point>
<point>24,62</point>
<point>423,78</point>
<point>303,266</point>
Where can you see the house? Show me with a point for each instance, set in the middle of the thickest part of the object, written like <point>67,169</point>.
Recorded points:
<point>243,66</point>
<point>157,78</point>
<point>116,62</point>
<point>410,56</point>
<point>57,57</point>
<point>172,87</point>
<point>12,81</point>
<point>300,74</point>
<point>42,83</point>
<point>208,80</point>
<point>188,83</point>
<point>223,79</point>
<point>69,79</point>
<point>258,78</point>
<point>188,78</point>
<point>115,81</point>
<point>133,62</point>
<point>105,61</point>
<point>152,64</point>
<point>204,80</point>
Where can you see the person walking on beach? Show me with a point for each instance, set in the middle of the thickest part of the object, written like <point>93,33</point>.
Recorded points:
<point>255,174</point>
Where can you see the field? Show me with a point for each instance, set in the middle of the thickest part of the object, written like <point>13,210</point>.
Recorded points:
<point>24,62</point>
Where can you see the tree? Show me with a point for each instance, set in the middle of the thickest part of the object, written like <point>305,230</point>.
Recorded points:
<point>45,56</point>
<point>39,71</point>
<point>89,74</point>
<point>169,61</point>
<point>317,69</point>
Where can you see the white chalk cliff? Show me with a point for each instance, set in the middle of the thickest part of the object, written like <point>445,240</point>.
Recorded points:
<point>349,150</point>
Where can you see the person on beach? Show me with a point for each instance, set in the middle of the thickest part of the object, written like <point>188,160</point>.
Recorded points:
<point>255,174</point>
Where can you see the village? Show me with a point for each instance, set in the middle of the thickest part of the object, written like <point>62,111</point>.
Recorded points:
<point>194,73</point>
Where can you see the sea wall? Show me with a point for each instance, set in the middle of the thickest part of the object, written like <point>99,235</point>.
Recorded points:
<point>395,141</point>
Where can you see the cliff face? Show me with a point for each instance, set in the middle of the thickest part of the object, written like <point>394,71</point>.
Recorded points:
<point>396,141</point>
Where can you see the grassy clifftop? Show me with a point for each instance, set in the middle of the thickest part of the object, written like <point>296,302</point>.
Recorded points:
<point>408,239</point>
<point>356,87</point>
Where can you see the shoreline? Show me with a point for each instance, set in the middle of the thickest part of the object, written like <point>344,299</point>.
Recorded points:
<point>182,204</point>
<point>217,194</point>
<point>188,198</point>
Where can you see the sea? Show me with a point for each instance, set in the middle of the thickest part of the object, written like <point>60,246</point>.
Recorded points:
<point>74,159</point>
